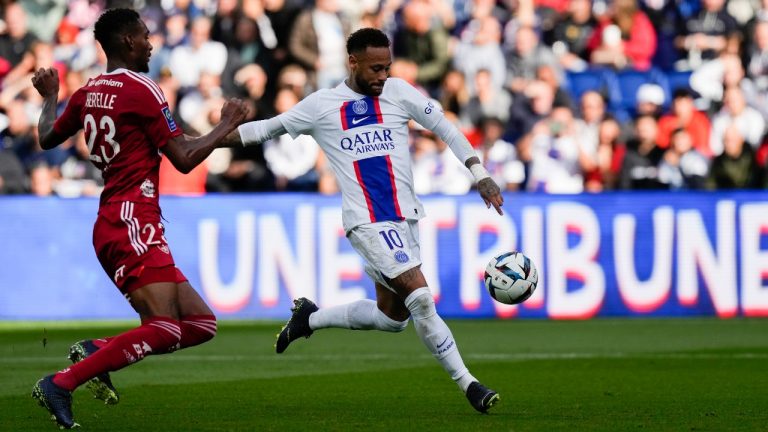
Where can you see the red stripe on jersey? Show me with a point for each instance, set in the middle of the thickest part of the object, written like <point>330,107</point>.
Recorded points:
<point>344,125</point>
<point>391,177</point>
<point>365,191</point>
<point>377,110</point>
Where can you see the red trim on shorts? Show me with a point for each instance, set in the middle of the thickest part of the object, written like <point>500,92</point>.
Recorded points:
<point>149,275</point>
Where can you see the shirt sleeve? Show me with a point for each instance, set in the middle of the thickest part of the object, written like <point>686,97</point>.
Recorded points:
<point>155,113</point>
<point>423,110</point>
<point>69,121</point>
<point>301,118</point>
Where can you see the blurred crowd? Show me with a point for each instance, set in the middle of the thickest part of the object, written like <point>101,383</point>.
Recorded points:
<point>502,70</point>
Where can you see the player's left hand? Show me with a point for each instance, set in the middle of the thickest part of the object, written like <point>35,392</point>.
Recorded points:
<point>491,194</point>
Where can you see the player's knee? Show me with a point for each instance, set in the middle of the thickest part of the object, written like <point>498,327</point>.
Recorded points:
<point>211,329</point>
<point>167,335</point>
<point>199,329</point>
<point>421,304</point>
<point>398,326</point>
<point>389,324</point>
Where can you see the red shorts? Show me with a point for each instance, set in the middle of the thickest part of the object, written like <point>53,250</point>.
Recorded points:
<point>129,242</point>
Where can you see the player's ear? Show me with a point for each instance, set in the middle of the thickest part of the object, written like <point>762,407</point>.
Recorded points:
<point>128,41</point>
<point>352,62</point>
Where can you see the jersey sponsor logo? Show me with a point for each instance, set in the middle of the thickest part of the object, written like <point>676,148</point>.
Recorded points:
<point>429,108</point>
<point>368,141</point>
<point>360,112</point>
<point>401,257</point>
<point>169,119</point>
<point>148,188</point>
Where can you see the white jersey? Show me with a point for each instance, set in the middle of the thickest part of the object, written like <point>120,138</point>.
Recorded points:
<point>366,141</point>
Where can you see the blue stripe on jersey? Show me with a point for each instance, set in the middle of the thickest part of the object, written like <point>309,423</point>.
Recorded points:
<point>378,183</point>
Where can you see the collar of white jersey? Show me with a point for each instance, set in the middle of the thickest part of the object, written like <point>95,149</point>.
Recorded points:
<point>344,87</point>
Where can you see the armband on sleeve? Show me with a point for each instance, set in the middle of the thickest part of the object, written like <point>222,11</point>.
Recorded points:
<point>256,132</point>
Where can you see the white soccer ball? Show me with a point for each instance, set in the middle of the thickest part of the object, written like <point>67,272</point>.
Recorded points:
<point>511,277</point>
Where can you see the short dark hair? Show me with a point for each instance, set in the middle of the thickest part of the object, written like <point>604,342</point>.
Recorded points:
<point>112,25</point>
<point>366,37</point>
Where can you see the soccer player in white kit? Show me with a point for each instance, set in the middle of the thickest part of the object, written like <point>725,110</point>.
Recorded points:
<point>362,125</point>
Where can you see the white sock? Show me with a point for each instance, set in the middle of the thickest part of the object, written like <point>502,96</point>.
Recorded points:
<point>359,315</point>
<point>437,337</point>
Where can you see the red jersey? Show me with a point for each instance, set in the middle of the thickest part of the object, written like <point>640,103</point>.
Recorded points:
<point>126,121</point>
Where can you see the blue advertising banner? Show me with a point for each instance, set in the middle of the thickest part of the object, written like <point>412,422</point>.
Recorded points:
<point>610,254</point>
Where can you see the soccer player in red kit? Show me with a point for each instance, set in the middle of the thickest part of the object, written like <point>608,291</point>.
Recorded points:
<point>127,123</point>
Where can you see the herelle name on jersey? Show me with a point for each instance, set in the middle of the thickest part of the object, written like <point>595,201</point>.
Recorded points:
<point>100,100</point>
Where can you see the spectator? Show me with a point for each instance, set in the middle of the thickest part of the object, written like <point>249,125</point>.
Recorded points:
<point>479,48</point>
<point>200,55</point>
<point>41,180</point>
<point>488,101</point>
<point>683,167</point>
<point>294,77</point>
<point>588,126</point>
<point>650,100</point>
<point>548,75</point>
<point>436,167</point>
<point>225,21</point>
<point>500,157</point>
<point>572,34</point>
<point>639,167</point>
<point>44,16</point>
<point>293,161</point>
<point>685,115</point>
<point>252,81</point>
<point>16,42</point>
<point>453,95</point>
<point>724,72</point>
<point>196,105</point>
<point>736,167</point>
<point>176,28</point>
<point>424,41</point>
<point>625,38</point>
<point>161,53</point>
<point>735,112</point>
<point>601,167</point>
<point>13,179</point>
<point>535,104</point>
<point>406,70</point>
<point>77,175</point>
<point>282,14</point>
<point>554,155</point>
<point>708,34</point>
<point>318,43</point>
<point>525,59</point>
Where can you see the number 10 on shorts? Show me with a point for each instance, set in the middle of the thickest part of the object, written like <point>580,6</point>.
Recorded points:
<point>391,238</point>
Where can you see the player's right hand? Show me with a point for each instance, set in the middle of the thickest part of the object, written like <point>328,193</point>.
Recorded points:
<point>46,81</point>
<point>491,194</point>
<point>234,112</point>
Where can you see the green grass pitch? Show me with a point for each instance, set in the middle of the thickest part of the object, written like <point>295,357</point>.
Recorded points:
<point>691,374</point>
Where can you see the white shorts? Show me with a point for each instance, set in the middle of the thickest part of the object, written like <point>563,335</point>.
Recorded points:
<point>390,248</point>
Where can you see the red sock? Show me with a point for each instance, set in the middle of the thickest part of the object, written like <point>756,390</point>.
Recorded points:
<point>155,335</point>
<point>197,329</point>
